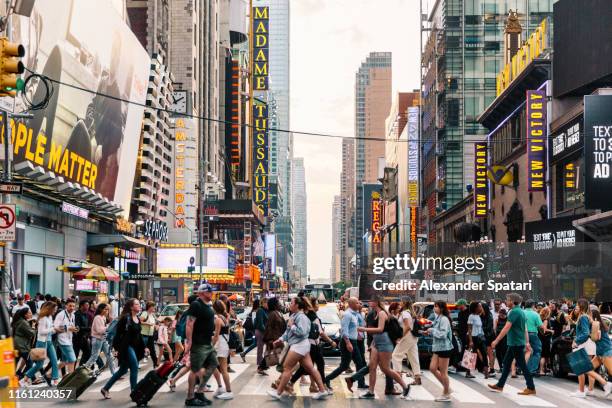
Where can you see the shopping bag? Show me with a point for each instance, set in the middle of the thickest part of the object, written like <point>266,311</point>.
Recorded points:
<point>469,360</point>
<point>38,354</point>
<point>579,361</point>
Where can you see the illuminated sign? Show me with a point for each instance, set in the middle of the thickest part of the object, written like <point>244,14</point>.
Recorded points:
<point>123,225</point>
<point>568,140</point>
<point>74,210</point>
<point>569,176</point>
<point>481,186</point>
<point>261,53</point>
<point>532,49</point>
<point>234,104</point>
<point>414,212</point>
<point>376,218</point>
<point>536,140</point>
<point>260,158</point>
<point>413,157</point>
<point>156,230</point>
<point>184,205</point>
<point>597,152</point>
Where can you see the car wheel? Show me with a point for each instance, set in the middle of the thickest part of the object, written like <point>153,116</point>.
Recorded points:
<point>556,366</point>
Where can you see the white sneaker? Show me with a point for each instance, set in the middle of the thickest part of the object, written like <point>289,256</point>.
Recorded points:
<point>330,391</point>
<point>219,391</point>
<point>319,395</point>
<point>304,381</point>
<point>590,393</point>
<point>226,396</point>
<point>54,383</point>
<point>578,394</point>
<point>607,389</point>
<point>443,398</point>
<point>25,382</point>
<point>274,394</point>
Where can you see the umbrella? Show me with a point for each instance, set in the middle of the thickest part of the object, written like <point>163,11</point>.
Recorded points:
<point>75,266</point>
<point>236,296</point>
<point>96,272</point>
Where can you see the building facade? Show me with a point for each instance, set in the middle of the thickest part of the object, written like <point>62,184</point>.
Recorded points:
<point>300,218</point>
<point>347,209</point>
<point>335,270</point>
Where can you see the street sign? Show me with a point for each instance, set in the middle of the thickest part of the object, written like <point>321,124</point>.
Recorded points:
<point>7,222</point>
<point>7,187</point>
<point>7,104</point>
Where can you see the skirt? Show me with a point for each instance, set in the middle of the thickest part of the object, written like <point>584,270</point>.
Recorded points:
<point>222,348</point>
<point>588,346</point>
<point>302,348</point>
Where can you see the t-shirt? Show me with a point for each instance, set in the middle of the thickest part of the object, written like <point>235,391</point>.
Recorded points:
<point>18,307</point>
<point>64,320</point>
<point>204,326</point>
<point>476,323</point>
<point>405,315</point>
<point>533,320</point>
<point>149,328</point>
<point>516,335</point>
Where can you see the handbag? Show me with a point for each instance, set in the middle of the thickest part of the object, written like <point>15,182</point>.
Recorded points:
<point>38,354</point>
<point>282,357</point>
<point>579,361</point>
<point>469,360</point>
<point>272,357</point>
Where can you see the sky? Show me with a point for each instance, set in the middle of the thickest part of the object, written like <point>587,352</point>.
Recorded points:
<point>329,40</point>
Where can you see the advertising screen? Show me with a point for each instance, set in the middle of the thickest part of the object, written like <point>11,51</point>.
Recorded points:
<point>598,151</point>
<point>82,135</point>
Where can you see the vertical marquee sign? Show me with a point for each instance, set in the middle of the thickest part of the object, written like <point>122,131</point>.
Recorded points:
<point>597,152</point>
<point>536,140</point>
<point>481,184</point>
<point>376,223</point>
<point>261,51</point>
<point>260,157</point>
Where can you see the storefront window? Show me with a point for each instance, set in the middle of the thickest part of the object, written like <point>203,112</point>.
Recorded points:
<point>570,184</point>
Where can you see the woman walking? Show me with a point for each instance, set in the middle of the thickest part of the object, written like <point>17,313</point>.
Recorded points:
<point>407,345</point>
<point>45,331</point>
<point>23,335</point>
<point>129,345</point>
<point>296,336</point>
<point>442,347</point>
<point>487,327</point>
<point>261,322</point>
<point>175,338</point>
<point>275,327</point>
<point>545,337</point>
<point>163,339</point>
<point>380,354</point>
<point>148,322</point>
<point>98,338</point>
<point>476,338</point>
<point>582,340</point>
<point>603,348</point>
<point>220,340</point>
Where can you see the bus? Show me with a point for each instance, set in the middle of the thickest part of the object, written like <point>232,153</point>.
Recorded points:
<point>324,292</point>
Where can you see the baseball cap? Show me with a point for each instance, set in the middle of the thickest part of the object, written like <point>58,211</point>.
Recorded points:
<point>205,287</point>
<point>462,302</point>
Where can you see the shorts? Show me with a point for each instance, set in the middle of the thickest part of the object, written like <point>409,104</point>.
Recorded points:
<point>382,342</point>
<point>203,356</point>
<point>222,348</point>
<point>589,347</point>
<point>67,352</point>
<point>302,348</point>
<point>444,353</point>
<point>605,354</point>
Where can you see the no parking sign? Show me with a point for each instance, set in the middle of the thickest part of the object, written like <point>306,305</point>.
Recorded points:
<point>7,222</point>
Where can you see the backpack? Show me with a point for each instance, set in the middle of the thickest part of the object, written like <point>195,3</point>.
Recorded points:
<point>393,329</point>
<point>181,326</point>
<point>314,332</point>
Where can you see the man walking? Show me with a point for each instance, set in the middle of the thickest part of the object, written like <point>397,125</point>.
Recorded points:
<point>349,349</point>
<point>64,325</point>
<point>518,342</point>
<point>199,332</point>
<point>534,324</point>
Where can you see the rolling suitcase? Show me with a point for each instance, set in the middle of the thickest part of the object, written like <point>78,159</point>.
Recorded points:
<point>150,384</point>
<point>78,380</point>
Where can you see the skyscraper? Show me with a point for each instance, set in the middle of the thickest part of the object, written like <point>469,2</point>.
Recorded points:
<point>372,105</point>
<point>335,271</point>
<point>461,57</point>
<point>347,208</point>
<point>300,238</point>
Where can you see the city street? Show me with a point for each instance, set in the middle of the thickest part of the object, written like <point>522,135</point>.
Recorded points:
<point>250,390</point>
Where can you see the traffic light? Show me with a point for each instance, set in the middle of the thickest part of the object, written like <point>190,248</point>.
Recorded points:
<point>10,67</point>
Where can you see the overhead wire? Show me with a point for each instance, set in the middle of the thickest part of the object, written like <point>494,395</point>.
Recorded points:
<point>291,132</point>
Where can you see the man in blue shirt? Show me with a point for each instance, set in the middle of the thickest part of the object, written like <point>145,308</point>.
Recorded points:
<point>349,349</point>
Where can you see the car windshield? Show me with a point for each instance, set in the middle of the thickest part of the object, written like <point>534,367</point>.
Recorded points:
<point>170,310</point>
<point>328,316</point>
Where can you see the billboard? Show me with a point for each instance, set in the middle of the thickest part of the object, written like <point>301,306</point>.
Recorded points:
<point>377,222</point>
<point>537,135</point>
<point>261,51</point>
<point>413,157</point>
<point>481,184</point>
<point>83,136</point>
<point>184,200</point>
<point>597,151</point>
<point>220,259</point>
<point>260,158</point>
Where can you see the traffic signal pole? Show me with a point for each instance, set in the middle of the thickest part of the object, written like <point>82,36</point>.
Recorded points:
<point>6,199</point>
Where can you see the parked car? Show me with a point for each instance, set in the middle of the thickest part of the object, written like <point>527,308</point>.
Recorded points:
<point>171,309</point>
<point>562,346</point>
<point>331,324</point>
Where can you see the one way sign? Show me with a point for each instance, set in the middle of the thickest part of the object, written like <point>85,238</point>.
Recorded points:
<point>7,222</point>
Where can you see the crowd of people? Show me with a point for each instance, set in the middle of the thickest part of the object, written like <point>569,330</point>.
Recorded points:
<point>510,338</point>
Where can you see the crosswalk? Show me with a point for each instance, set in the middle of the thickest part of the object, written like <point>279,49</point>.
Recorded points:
<point>249,386</point>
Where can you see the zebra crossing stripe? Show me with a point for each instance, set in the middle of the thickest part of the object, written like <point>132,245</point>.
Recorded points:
<point>511,393</point>
<point>461,392</point>
<point>564,395</point>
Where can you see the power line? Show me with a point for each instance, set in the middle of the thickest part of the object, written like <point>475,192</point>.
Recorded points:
<point>292,132</point>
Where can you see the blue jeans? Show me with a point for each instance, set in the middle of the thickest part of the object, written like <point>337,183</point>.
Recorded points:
<point>131,364</point>
<point>97,346</point>
<point>536,347</point>
<point>31,373</point>
<point>251,346</point>
<point>345,362</point>
<point>515,353</point>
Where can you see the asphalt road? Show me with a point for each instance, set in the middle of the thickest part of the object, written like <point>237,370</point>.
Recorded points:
<point>250,391</point>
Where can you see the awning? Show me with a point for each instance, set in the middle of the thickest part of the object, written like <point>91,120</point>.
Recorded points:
<point>598,226</point>
<point>121,241</point>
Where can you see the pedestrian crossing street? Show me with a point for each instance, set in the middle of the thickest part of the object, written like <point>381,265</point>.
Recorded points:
<point>248,385</point>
